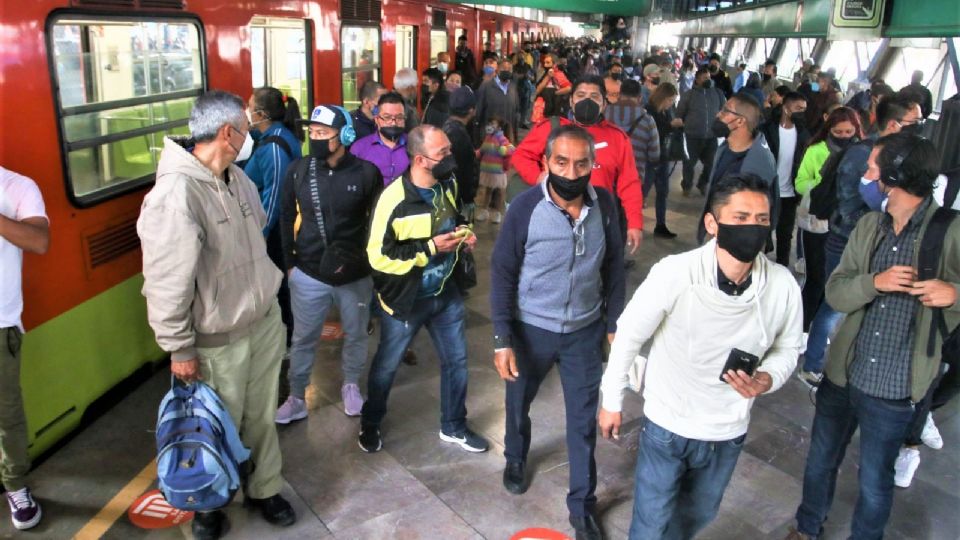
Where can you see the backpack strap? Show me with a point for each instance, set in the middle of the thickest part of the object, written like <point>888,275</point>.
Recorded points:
<point>633,126</point>
<point>953,187</point>
<point>279,141</point>
<point>928,262</point>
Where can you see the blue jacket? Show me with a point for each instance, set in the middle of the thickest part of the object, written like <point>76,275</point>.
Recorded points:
<point>850,205</point>
<point>267,167</point>
<point>537,276</point>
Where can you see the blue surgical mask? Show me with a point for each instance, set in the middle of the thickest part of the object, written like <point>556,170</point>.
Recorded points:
<point>872,196</point>
<point>376,110</point>
<point>815,87</point>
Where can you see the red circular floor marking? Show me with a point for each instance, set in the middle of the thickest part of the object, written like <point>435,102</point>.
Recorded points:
<point>332,331</point>
<point>539,533</point>
<point>152,511</point>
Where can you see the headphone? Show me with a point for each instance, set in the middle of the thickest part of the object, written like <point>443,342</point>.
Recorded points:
<point>347,133</point>
<point>895,178</point>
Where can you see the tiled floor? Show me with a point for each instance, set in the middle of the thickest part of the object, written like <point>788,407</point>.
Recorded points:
<point>418,487</point>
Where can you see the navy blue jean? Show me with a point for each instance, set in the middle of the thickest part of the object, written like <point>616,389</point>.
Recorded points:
<point>826,318</point>
<point>679,482</point>
<point>658,176</point>
<point>578,356</point>
<point>443,316</point>
<point>883,426</point>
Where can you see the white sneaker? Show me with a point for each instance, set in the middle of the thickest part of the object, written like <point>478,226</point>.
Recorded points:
<point>292,409</point>
<point>810,378</point>
<point>906,466</point>
<point>931,435</point>
<point>482,215</point>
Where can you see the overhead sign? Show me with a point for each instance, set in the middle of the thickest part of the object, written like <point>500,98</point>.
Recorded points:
<point>590,26</point>
<point>856,19</point>
<point>152,511</point>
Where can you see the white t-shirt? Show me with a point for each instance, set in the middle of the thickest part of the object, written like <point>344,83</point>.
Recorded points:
<point>940,191</point>
<point>788,146</point>
<point>19,199</point>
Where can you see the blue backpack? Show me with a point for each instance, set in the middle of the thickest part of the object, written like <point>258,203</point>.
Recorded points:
<point>199,452</point>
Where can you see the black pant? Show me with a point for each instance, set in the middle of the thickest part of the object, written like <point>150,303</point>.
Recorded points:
<point>578,357</point>
<point>275,252</point>
<point>785,226</point>
<point>698,150</point>
<point>816,278</point>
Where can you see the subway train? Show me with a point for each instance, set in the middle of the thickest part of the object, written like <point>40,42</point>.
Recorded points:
<point>88,89</point>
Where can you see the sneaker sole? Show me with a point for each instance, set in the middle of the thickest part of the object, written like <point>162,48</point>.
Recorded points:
<point>294,418</point>
<point>379,447</point>
<point>462,443</point>
<point>935,445</point>
<point>24,525</point>
<point>352,414</point>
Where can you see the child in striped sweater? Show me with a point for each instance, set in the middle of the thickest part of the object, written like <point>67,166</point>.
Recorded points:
<point>495,150</point>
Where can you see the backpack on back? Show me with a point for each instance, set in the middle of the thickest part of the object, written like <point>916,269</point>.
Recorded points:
<point>275,139</point>
<point>199,453</point>
<point>823,197</point>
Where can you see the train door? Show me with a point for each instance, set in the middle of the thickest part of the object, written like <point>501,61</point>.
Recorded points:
<point>278,58</point>
<point>359,61</point>
<point>439,38</point>
<point>406,47</point>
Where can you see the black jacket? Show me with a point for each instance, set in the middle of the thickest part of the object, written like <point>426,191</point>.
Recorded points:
<point>436,110</point>
<point>771,131</point>
<point>347,194</point>
<point>362,125</point>
<point>463,153</point>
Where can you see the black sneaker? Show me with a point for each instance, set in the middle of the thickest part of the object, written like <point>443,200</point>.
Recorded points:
<point>468,440</point>
<point>369,440</point>
<point>513,478</point>
<point>586,527</point>
<point>276,510</point>
<point>209,525</point>
<point>661,231</point>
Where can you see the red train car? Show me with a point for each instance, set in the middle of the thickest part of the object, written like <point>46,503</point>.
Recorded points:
<point>88,89</point>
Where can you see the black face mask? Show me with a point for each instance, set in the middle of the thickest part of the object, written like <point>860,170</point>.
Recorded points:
<point>841,143</point>
<point>912,129</point>
<point>444,168</point>
<point>767,77</point>
<point>391,133</point>
<point>505,75</point>
<point>744,242</point>
<point>586,112</point>
<point>798,118</point>
<point>655,81</point>
<point>714,69</point>
<point>566,188</point>
<point>720,128</point>
<point>616,76</point>
<point>320,148</point>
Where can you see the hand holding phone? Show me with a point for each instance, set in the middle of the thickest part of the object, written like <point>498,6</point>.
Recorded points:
<point>742,361</point>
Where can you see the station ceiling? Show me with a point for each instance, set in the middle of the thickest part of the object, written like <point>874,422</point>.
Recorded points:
<point>638,8</point>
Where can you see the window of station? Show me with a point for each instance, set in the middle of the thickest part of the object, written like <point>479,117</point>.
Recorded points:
<point>406,46</point>
<point>736,53</point>
<point>849,59</point>
<point>123,84</point>
<point>438,44</point>
<point>762,49</point>
<point>278,57</point>
<point>360,47</point>
<point>929,57</point>
<point>794,52</point>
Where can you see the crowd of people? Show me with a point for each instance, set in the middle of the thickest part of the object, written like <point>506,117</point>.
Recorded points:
<point>247,244</point>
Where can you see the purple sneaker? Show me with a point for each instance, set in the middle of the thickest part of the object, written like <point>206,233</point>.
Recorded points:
<point>352,400</point>
<point>24,511</point>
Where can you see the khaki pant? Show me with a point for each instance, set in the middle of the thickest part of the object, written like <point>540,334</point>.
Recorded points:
<point>14,461</point>
<point>246,375</point>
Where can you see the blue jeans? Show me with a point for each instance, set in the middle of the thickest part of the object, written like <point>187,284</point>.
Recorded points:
<point>579,357</point>
<point>679,482</point>
<point>658,175</point>
<point>826,318</point>
<point>444,317</point>
<point>883,426</point>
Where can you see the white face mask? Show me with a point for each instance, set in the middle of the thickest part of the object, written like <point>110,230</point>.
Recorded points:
<point>246,150</point>
<point>442,66</point>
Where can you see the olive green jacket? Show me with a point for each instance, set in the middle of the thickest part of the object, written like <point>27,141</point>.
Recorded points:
<point>850,290</point>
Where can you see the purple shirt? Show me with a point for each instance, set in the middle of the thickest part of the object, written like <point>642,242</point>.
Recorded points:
<point>392,162</point>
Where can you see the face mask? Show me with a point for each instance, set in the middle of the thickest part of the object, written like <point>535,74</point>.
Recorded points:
<point>320,148</point>
<point>815,87</point>
<point>912,129</point>
<point>798,118</point>
<point>505,75</point>
<point>391,133</point>
<point>566,188</point>
<point>442,66</point>
<point>490,130</point>
<point>841,143</point>
<point>766,77</point>
<point>655,81</point>
<point>720,129</point>
<point>616,76</point>
<point>245,149</point>
<point>872,196</point>
<point>443,169</point>
<point>744,242</point>
<point>586,112</point>
<point>488,70</point>
<point>629,70</point>
<point>714,69</point>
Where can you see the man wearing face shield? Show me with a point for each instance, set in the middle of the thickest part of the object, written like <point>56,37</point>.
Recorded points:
<point>557,283</point>
<point>416,245</point>
<point>211,289</point>
<point>615,167</point>
<point>722,325</point>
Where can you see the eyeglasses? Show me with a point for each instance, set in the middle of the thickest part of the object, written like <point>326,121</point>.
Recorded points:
<point>579,247</point>
<point>728,111</point>
<point>397,119</point>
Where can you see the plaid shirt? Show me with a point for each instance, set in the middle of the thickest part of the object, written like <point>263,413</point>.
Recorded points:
<point>884,348</point>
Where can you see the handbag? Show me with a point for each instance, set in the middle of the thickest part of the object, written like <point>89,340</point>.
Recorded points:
<point>339,264</point>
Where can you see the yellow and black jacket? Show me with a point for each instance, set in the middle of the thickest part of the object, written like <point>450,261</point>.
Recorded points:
<point>401,244</point>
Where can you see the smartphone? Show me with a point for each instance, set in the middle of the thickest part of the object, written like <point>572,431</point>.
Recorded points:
<point>740,360</point>
<point>462,233</point>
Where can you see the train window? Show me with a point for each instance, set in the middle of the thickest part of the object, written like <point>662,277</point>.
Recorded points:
<point>123,84</point>
<point>406,47</point>
<point>498,43</point>
<point>484,39</point>
<point>278,57</point>
<point>438,44</point>
<point>360,61</point>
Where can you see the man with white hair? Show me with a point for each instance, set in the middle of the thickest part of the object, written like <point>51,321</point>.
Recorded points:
<point>211,289</point>
<point>405,83</point>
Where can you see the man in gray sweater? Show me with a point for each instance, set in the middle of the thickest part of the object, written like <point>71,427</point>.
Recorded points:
<point>498,97</point>
<point>695,112</point>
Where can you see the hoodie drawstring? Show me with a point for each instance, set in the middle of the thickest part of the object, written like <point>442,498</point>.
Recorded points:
<point>222,204</point>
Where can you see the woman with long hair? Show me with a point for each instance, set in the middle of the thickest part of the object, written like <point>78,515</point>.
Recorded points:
<point>841,129</point>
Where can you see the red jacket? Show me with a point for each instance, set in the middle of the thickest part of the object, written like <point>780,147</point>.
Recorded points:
<point>614,163</point>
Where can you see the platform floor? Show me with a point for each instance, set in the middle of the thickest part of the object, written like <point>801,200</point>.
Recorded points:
<point>420,488</point>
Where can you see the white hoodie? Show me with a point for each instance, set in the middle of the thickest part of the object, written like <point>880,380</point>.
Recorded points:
<point>690,326</point>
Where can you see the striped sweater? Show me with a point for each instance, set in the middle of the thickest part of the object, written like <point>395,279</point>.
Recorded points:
<point>494,152</point>
<point>644,138</point>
